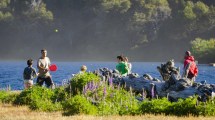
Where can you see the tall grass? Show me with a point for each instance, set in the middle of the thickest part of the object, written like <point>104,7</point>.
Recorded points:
<point>9,112</point>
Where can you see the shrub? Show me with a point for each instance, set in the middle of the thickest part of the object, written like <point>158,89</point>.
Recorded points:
<point>80,80</point>
<point>7,97</point>
<point>33,94</point>
<point>45,105</point>
<point>155,106</point>
<point>206,109</point>
<point>78,105</point>
<point>184,107</point>
<point>38,98</point>
<point>112,101</point>
<point>59,94</point>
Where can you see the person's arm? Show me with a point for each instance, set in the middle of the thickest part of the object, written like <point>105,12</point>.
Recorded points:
<point>35,73</point>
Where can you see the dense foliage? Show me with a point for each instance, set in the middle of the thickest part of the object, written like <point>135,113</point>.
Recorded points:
<point>7,96</point>
<point>40,98</point>
<point>92,26</point>
<point>203,49</point>
<point>103,98</point>
<point>78,82</point>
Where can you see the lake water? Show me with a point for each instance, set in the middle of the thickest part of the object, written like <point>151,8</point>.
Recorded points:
<point>11,72</point>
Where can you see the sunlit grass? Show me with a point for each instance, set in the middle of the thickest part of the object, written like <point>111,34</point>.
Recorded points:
<point>9,112</point>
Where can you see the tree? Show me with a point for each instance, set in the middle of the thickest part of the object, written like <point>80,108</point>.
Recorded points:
<point>5,12</point>
<point>204,49</point>
<point>147,18</point>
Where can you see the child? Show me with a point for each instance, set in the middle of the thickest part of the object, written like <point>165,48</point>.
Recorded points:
<point>29,74</point>
<point>83,69</point>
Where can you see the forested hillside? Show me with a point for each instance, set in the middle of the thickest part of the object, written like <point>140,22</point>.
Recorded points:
<point>99,30</point>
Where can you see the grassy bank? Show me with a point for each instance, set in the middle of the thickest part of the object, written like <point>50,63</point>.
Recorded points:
<point>87,95</point>
<point>9,112</point>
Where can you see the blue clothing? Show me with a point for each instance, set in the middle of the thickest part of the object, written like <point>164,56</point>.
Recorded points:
<point>29,73</point>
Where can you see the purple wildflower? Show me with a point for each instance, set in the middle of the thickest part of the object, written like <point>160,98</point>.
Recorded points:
<point>143,94</point>
<point>152,91</point>
<point>93,85</point>
<point>111,81</point>
<point>90,85</point>
<point>104,92</point>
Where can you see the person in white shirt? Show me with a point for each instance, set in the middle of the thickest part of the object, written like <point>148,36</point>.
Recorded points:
<point>43,65</point>
<point>128,64</point>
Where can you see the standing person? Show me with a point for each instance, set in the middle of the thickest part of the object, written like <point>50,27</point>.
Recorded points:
<point>190,68</point>
<point>29,74</point>
<point>43,65</point>
<point>121,66</point>
<point>128,64</point>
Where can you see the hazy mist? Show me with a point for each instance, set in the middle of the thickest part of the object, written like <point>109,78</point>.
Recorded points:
<point>79,35</point>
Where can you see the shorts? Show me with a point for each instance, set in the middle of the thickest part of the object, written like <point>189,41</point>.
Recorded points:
<point>28,83</point>
<point>48,81</point>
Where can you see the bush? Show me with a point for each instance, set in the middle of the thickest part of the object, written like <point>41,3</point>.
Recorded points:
<point>79,105</point>
<point>38,98</point>
<point>59,94</point>
<point>206,109</point>
<point>45,105</point>
<point>27,96</point>
<point>112,101</point>
<point>7,96</point>
<point>184,107</point>
<point>155,106</point>
<point>80,80</point>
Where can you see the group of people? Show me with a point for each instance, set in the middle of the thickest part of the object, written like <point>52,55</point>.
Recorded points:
<point>123,66</point>
<point>43,74</point>
<point>190,67</point>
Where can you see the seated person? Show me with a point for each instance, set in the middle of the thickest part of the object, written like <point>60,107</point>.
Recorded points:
<point>83,69</point>
<point>122,66</point>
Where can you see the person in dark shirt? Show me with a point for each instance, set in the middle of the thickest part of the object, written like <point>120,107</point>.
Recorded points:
<point>29,74</point>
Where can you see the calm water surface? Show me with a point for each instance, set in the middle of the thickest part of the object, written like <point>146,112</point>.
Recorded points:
<point>11,72</point>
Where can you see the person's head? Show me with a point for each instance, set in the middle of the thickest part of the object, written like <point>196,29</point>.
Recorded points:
<point>30,62</point>
<point>83,68</point>
<point>187,54</point>
<point>44,52</point>
<point>120,58</point>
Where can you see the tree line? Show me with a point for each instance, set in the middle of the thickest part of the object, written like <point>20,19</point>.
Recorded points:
<point>150,26</point>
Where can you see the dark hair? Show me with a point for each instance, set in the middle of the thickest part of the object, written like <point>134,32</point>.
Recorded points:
<point>30,62</point>
<point>188,53</point>
<point>43,50</point>
<point>120,58</point>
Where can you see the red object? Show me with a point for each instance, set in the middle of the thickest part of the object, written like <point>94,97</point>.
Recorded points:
<point>53,67</point>
<point>193,68</point>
